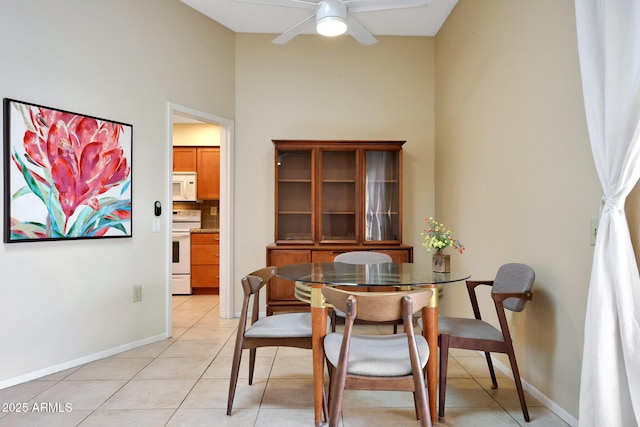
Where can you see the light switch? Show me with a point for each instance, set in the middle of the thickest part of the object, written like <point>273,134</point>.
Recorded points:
<point>156,225</point>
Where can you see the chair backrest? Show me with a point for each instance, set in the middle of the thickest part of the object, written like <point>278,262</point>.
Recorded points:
<point>362,257</point>
<point>253,282</point>
<point>377,306</point>
<point>514,277</point>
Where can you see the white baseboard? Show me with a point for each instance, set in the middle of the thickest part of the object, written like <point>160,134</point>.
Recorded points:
<point>77,362</point>
<point>553,406</point>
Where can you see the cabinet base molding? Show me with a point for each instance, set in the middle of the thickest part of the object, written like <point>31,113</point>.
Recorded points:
<point>206,291</point>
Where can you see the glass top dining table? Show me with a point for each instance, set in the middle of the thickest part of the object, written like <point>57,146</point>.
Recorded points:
<point>398,274</point>
<point>312,277</point>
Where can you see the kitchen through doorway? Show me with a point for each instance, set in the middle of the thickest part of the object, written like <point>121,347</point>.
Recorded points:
<point>219,213</point>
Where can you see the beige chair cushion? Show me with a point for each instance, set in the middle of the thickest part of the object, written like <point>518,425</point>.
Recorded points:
<point>376,355</point>
<point>468,328</point>
<point>282,325</point>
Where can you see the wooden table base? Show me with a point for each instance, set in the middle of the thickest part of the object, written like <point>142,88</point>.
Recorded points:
<point>430,332</point>
<point>319,330</point>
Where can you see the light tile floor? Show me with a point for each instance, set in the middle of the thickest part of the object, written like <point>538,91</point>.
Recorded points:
<point>183,381</point>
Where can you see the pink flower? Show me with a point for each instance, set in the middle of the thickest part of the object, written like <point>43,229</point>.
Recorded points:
<point>83,155</point>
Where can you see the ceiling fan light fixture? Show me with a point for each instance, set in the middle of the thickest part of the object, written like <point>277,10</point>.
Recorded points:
<point>331,26</point>
<point>331,18</point>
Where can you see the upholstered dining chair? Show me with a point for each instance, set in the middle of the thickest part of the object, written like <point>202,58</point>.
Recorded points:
<point>362,257</point>
<point>284,330</point>
<point>511,289</point>
<point>359,257</point>
<point>377,362</point>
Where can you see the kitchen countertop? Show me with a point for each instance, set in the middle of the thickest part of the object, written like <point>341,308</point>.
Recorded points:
<point>205,230</point>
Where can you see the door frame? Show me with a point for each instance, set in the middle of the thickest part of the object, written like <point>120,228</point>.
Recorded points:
<point>226,202</point>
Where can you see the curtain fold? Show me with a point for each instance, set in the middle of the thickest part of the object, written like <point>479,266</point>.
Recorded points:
<point>379,197</point>
<point>609,49</point>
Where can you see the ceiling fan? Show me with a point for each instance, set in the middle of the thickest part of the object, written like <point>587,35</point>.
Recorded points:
<point>333,17</point>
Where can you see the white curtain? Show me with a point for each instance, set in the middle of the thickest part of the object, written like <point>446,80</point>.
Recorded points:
<point>609,49</point>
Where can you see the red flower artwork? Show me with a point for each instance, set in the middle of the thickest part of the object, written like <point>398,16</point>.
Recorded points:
<point>69,162</point>
<point>82,153</point>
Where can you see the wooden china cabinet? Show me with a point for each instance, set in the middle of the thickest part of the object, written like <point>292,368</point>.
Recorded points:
<point>333,197</point>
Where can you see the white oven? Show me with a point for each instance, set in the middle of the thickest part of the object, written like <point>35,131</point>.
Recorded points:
<point>182,223</point>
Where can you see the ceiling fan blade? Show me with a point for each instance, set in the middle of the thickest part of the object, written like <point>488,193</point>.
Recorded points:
<point>287,3</point>
<point>372,5</point>
<point>359,32</point>
<point>294,31</point>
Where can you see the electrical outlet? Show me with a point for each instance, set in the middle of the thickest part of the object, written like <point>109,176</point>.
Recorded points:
<point>137,293</point>
<point>213,210</point>
<point>593,230</point>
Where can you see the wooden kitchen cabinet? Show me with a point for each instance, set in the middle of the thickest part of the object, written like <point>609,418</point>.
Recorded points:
<point>205,161</point>
<point>184,159</point>
<point>333,197</point>
<point>208,169</point>
<point>205,262</point>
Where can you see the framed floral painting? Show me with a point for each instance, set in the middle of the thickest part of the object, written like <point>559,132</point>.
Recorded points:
<point>66,175</point>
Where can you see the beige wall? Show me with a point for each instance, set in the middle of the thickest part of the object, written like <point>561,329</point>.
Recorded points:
<point>64,303</point>
<point>514,172</point>
<point>196,134</point>
<point>318,88</point>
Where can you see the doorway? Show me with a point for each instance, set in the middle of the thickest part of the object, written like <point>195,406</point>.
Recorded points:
<point>225,203</point>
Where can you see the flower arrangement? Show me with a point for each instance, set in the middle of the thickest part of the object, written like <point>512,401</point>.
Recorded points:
<point>437,237</point>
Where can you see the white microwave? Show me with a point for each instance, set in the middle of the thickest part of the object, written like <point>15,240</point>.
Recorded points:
<point>184,187</point>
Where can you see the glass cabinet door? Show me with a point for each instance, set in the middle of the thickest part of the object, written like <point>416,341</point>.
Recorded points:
<point>338,196</point>
<point>382,196</point>
<point>294,196</point>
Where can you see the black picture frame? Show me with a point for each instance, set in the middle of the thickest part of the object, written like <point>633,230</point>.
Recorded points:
<point>67,176</point>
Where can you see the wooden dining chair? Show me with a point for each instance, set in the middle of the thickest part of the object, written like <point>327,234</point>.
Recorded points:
<point>283,330</point>
<point>360,257</point>
<point>377,362</point>
<point>511,289</point>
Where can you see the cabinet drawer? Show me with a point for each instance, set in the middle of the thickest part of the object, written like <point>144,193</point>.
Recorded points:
<point>205,254</point>
<point>397,255</point>
<point>205,238</point>
<point>324,256</point>
<point>207,276</point>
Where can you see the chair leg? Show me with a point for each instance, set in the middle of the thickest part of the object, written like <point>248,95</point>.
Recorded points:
<point>421,399</point>
<point>444,364</point>
<point>518,381</point>
<point>325,407</point>
<point>332,317</point>
<point>332,372</point>
<point>252,364</point>
<point>326,395</point>
<point>494,381</point>
<point>336,393</point>
<point>233,381</point>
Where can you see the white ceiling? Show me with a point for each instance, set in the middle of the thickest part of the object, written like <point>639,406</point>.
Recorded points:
<point>243,17</point>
